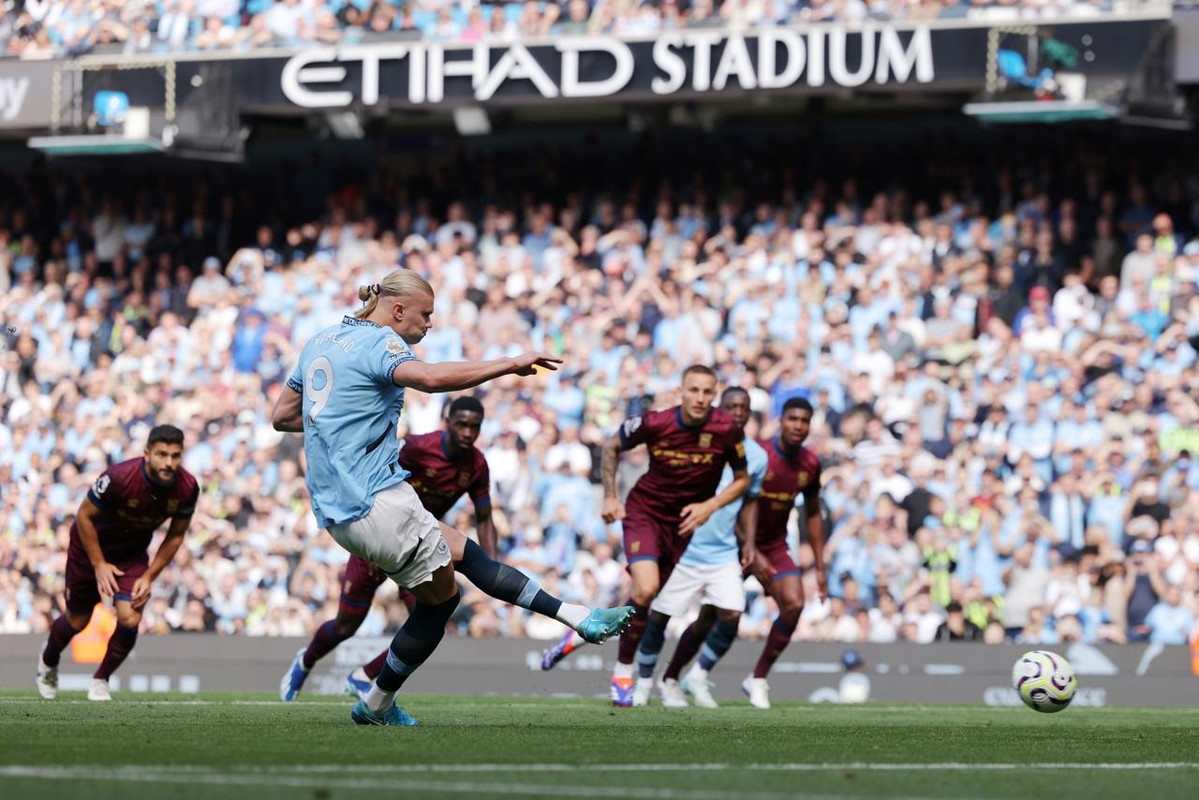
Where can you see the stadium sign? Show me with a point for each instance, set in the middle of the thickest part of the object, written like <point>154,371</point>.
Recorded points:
<point>957,672</point>
<point>25,94</point>
<point>592,66</point>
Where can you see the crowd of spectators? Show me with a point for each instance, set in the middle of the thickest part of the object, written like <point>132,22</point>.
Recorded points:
<point>39,29</point>
<point>1001,350</point>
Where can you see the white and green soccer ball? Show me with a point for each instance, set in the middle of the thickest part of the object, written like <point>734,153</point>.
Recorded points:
<point>1045,681</point>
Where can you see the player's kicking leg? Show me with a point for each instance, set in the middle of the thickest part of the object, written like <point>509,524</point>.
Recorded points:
<point>510,585</point>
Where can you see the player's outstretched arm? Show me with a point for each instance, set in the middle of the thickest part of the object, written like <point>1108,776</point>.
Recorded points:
<point>613,510</point>
<point>696,514</point>
<point>289,411</point>
<point>455,376</point>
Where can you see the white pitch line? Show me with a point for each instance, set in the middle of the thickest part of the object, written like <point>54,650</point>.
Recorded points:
<point>251,770</point>
<point>437,787</point>
<point>332,702</point>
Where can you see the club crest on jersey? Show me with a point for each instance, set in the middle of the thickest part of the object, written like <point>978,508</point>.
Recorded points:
<point>804,478</point>
<point>102,484</point>
<point>463,478</point>
<point>172,506</point>
<point>705,440</point>
<point>132,502</point>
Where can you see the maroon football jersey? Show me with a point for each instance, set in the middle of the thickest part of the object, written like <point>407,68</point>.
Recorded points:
<point>785,479</point>
<point>440,477</point>
<point>685,461</point>
<point>132,508</point>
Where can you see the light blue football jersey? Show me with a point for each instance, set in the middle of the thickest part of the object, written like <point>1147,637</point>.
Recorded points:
<point>351,407</point>
<point>715,542</point>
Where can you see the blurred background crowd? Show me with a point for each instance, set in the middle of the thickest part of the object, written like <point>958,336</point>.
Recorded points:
<point>1000,344</point>
<point>38,29</point>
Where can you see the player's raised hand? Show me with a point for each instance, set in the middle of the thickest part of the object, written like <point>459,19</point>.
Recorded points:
<point>141,592</point>
<point>694,515</point>
<point>106,579</point>
<point>530,363</point>
<point>613,510</point>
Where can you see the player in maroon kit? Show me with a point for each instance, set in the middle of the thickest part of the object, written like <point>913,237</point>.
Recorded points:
<point>689,446</point>
<point>444,465</point>
<point>791,469</point>
<point>109,551</point>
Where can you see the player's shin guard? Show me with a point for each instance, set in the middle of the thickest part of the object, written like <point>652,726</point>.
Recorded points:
<point>719,640</point>
<point>119,645</point>
<point>505,583</point>
<point>776,642</point>
<point>414,643</point>
<point>61,634</point>
<point>631,638</point>
<point>651,644</point>
<point>327,637</point>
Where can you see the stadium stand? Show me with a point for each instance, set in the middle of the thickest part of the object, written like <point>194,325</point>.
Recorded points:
<point>1000,342</point>
<point>42,29</point>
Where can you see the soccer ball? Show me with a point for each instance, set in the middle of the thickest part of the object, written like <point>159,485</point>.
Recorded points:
<point>1044,680</point>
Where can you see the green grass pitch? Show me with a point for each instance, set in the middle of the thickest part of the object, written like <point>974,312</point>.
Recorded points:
<point>226,746</point>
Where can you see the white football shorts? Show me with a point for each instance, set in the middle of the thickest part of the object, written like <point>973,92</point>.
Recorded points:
<point>398,535</point>
<point>721,585</point>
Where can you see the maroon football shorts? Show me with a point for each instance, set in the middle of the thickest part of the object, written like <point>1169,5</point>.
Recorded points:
<point>649,538</point>
<point>779,556</point>
<point>358,587</point>
<point>82,591</point>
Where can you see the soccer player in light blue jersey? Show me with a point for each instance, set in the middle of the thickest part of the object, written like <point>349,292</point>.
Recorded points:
<point>346,395</point>
<point>711,567</point>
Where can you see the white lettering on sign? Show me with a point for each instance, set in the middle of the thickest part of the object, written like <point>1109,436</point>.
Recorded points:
<point>12,96</point>
<point>701,61</point>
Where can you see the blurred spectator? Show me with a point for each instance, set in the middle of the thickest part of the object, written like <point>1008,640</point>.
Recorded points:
<point>1039,479</point>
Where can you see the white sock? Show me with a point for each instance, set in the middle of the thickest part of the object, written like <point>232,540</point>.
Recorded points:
<point>571,615</point>
<point>377,700</point>
<point>623,670</point>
